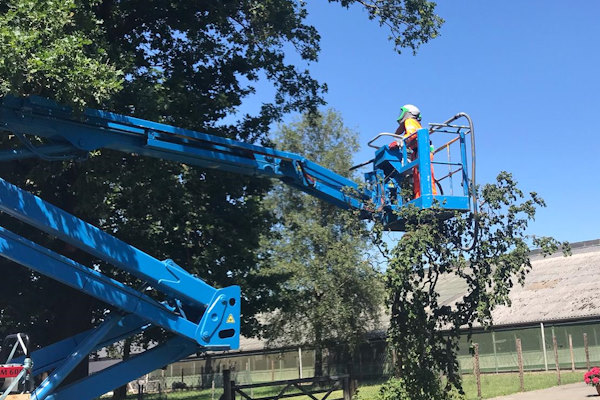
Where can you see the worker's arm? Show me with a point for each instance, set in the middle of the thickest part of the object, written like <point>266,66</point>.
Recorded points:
<point>408,130</point>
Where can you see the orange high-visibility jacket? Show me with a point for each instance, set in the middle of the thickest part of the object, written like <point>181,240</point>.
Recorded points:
<point>408,130</point>
<point>411,126</point>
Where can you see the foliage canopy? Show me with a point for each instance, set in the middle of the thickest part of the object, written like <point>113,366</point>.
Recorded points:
<point>331,294</point>
<point>424,331</point>
<point>187,63</point>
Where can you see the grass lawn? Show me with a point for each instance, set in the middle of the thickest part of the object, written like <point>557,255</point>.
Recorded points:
<point>492,385</point>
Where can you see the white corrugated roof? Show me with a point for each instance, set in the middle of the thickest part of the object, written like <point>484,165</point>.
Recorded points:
<point>557,288</point>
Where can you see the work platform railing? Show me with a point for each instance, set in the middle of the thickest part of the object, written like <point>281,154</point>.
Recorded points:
<point>442,147</point>
<point>457,144</point>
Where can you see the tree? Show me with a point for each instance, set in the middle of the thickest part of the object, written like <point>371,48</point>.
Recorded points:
<point>185,63</point>
<point>489,251</point>
<point>332,294</point>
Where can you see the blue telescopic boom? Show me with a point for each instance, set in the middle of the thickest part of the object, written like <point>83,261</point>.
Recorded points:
<point>68,134</point>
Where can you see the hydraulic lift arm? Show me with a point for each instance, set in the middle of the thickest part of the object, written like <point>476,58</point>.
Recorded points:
<point>68,134</point>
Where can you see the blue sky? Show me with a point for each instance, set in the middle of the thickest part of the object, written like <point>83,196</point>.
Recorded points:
<point>527,72</point>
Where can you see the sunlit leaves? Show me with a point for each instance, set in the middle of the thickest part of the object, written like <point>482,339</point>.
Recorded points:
<point>54,48</point>
<point>424,329</point>
<point>410,23</point>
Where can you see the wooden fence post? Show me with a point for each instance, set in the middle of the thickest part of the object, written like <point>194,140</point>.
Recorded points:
<point>520,360</point>
<point>227,387</point>
<point>571,351</point>
<point>273,369</point>
<point>476,370</point>
<point>555,345</point>
<point>587,351</point>
<point>346,388</point>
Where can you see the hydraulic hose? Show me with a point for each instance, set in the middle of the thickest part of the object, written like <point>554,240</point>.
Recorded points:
<point>473,185</point>
<point>473,161</point>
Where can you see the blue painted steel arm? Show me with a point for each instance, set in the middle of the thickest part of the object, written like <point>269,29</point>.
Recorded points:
<point>164,275</point>
<point>100,129</point>
<point>101,382</point>
<point>88,344</point>
<point>51,356</point>
<point>115,293</point>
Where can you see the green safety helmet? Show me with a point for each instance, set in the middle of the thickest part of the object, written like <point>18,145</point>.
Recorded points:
<point>409,111</point>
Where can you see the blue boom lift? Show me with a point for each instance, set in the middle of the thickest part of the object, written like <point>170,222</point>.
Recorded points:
<point>67,134</point>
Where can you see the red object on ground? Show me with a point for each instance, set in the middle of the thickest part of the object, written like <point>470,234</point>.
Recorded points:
<point>592,377</point>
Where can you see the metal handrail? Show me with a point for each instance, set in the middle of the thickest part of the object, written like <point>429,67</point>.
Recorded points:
<point>446,163</point>
<point>384,134</point>
<point>446,124</point>
<point>436,126</point>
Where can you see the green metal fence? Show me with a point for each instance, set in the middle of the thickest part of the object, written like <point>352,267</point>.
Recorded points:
<point>497,353</point>
<point>497,347</point>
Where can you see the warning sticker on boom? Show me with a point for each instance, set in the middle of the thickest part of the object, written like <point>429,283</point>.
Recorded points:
<point>230,319</point>
<point>10,372</point>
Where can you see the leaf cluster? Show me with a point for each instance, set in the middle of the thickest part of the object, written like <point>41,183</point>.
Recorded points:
<point>55,48</point>
<point>411,23</point>
<point>487,253</point>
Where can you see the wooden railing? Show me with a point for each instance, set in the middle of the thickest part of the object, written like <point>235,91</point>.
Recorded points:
<point>309,387</point>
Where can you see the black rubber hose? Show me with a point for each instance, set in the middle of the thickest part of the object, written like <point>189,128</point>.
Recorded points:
<point>473,186</point>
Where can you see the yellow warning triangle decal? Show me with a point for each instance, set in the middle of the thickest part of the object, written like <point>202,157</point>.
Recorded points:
<point>230,319</point>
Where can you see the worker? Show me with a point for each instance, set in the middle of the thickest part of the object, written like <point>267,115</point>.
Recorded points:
<point>408,125</point>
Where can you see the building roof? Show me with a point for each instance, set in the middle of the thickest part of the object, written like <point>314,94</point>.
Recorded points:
<point>558,288</point>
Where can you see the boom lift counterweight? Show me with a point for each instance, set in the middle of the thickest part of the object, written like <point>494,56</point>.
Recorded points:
<point>67,134</point>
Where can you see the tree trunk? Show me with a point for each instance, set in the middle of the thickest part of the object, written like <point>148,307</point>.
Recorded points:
<point>318,360</point>
<point>318,350</point>
<point>121,392</point>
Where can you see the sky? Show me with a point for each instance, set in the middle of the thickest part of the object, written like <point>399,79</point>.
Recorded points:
<point>527,72</point>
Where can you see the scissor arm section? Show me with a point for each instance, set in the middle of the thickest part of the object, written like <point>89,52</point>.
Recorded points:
<point>101,382</point>
<point>164,275</point>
